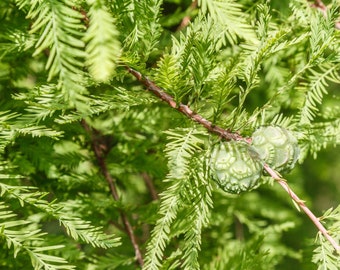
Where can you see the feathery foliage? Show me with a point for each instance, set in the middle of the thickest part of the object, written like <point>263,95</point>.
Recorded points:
<point>15,234</point>
<point>74,226</point>
<point>324,256</point>
<point>182,147</point>
<point>59,29</point>
<point>103,48</point>
<point>96,172</point>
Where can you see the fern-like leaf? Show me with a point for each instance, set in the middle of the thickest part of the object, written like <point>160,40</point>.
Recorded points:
<point>230,16</point>
<point>60,28</point>
<point>103,48</point>
<point>315,89</point>
<point>324,255</point>
<point>198,216</point>
<point>22,239</point>
<point>319,136</point>
<point>182,147</point>
<point>145,31</point>
<point>75,227</point>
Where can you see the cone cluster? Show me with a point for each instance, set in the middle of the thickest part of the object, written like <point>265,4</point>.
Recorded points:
<point>237,166</point>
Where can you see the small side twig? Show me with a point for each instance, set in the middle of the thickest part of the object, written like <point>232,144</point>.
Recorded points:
<point>228,135</point>
<point>318,4</point>
<point>186,20</point>
<point>97,146</point>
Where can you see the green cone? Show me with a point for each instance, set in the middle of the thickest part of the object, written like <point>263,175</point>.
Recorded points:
<point>235,166</point>
<point>277,147</point>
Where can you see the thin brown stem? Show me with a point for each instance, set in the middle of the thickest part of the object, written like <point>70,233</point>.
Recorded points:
<point>97,146</point>
<point>318,4</point>
<point>149,184</point>
<point>239,229</point>
<point>186,20</point>
<point>228,135</point>
<point>302,205</point>
<point>184,109</point>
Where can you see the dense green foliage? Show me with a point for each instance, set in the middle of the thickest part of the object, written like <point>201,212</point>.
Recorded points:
<point>90,161</point>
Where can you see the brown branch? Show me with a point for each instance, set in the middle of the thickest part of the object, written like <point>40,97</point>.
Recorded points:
<point>302,205</point>
<point>148,182</point>
<point>98,146</point>
<point>184,109</point>
<point>228,135</point>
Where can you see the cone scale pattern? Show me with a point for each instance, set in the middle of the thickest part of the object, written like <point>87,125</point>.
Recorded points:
<point>235,166</point>
<point>277,147</point>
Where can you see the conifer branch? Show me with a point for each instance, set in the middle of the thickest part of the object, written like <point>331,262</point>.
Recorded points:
<point>99,147</point>
<point>302,205</point>
<point>184,109</point>
<point>228,135</point>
